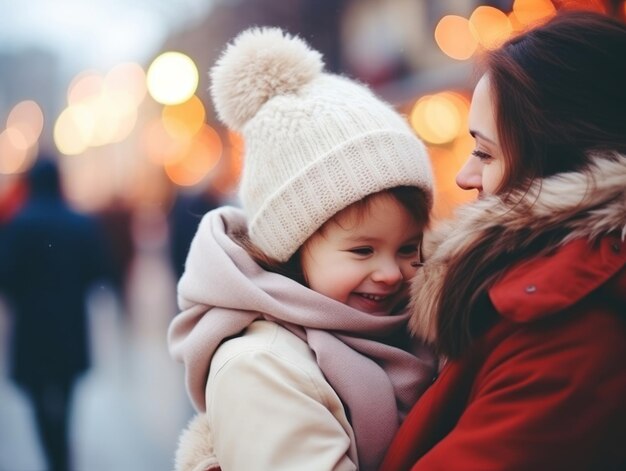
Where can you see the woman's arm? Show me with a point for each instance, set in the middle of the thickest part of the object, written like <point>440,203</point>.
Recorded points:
<point>551,396</point>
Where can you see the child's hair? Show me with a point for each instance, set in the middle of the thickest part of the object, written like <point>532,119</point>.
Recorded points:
<point>411,198</point>
<point>314,142</point>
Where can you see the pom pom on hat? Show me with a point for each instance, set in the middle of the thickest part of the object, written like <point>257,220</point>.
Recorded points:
<point>259,64</point>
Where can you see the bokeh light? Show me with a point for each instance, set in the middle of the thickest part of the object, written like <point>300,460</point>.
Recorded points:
<point>127,78</point>
<point>491,26</point>
<point>462,104</point>
<point>73,130</point>
<point>237,146</point>
<point>530,13</point>
<point>440,118</point>
<point>454,37</point>
<point>15,156</point>
<point>197,159</point>
<point>185,119</point>
<point>158,144</point>
<point>101,109</point>
<point>172,78</point>
<point>84,86</point>
<point>17,138</point>
<point>446,164</point>
<point>225,177</point>
<point>114,115</point>
<point>27,118</point>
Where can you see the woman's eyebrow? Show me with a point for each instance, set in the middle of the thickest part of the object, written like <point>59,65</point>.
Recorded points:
<point>475,134</point>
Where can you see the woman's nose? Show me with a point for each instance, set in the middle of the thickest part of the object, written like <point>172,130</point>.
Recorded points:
<point>470,177</point>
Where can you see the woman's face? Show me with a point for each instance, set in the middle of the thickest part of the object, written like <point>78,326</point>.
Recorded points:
<point>484,168</point>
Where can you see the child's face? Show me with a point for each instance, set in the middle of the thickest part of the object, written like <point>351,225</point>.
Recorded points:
<point>365,261</point>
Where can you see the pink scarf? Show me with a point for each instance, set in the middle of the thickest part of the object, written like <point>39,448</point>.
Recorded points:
<point>223,291</point>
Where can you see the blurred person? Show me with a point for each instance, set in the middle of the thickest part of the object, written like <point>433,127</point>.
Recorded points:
<point>116,220</point>
<point>293,329</point>
<point>183,221</point>
<point>524,292</point>
<point>50,256</point>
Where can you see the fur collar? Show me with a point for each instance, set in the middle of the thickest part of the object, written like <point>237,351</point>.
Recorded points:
<point>585,204</point>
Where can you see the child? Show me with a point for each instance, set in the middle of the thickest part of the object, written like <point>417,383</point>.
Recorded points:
<point>292,330</point>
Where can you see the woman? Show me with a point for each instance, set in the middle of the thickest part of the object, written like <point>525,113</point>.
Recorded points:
<point>524,293</point>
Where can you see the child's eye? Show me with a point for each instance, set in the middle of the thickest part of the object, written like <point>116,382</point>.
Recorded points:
<point>361,250</point>
<point>482,155</point>
<point>408,249</point>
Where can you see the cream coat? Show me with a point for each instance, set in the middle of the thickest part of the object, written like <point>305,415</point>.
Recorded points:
<point>264,376</point>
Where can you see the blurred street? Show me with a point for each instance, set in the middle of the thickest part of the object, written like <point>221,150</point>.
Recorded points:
<point>117,95</point>
<point>130,406</point>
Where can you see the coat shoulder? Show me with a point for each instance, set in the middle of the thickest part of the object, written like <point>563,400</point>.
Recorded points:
<point>549,284</point>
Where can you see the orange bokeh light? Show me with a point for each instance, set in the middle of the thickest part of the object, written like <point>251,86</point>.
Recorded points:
<point>225,177</point>
<point>159,146</point>
<point>516,26</point>
<point>237,147</point>
<point>462,103</point>
<point>197,160</point>
<point>532,12</point>
<point>439,118</point>
<point>454,37</point>
<point>27,117</point>
<point>446,164</point>
<point>184,120</point>
<point>491,26</point>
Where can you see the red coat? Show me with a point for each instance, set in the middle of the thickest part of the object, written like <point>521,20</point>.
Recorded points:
<point>545,387</point>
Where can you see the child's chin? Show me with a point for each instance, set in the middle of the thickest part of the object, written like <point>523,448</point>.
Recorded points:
<point>382,312</point>
<point>370,307</point>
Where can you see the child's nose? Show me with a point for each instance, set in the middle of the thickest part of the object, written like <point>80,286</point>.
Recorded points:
<point>388,273</point>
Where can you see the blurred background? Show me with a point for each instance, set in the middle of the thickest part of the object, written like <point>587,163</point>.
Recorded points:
<point>116,94</point>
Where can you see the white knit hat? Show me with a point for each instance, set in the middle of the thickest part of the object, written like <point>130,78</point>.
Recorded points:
<point>314,142</point>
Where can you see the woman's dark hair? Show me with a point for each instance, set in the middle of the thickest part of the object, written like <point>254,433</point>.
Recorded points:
<point>411,198</point>
<point>559,93</point>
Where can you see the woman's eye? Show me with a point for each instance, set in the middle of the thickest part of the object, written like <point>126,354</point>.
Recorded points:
<point>362,250</point>
<point>408,249</point>
<point>482,155</point>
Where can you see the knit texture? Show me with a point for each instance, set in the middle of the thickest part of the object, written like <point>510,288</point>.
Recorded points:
<point>314,142</point>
